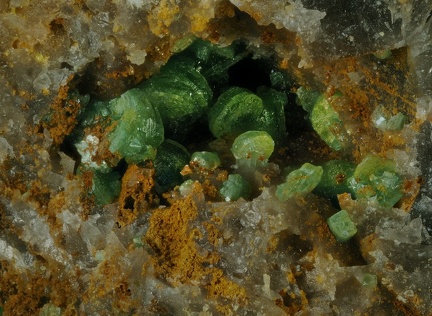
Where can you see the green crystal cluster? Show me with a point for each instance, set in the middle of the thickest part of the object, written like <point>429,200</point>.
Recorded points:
<point>156,121</point>
<point>139,129</point>
<point>376,178</point>
<point>193,88</point>
<point>384,121</point>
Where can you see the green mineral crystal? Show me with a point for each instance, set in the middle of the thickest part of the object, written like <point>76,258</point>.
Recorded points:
<point>170,159</point>
<point>326,122</point>
<point>206,160</point>
<point>214,61</point>
<point>105,186</point>
<point>139,129</point>
<point>235,187</point>
<point>272,118</point>
<point>376,178</point>
<point>307,98</point>
<point>383,54</point>
<point>383,120</point>
<point>186,187</point>
<point>369,280</point>
<point>253,148</point>
<point>180,94</point>
<point>334,178</point>
<point>236,111</point>
<point>299,181</point>
<point>342,226</point>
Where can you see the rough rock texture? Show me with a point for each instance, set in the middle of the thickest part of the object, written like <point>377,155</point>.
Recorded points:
<point>60,253</point>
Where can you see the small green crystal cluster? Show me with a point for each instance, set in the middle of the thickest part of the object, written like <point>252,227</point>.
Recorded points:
<point>376,178</point>
<point>153,121</point>
<point>193,94</point>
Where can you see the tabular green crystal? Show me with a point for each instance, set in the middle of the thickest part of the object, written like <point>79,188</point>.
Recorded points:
<point>186,187</point>
<point>383,120</point>
<point>206,160</point>
<point>170,159</point>
<point>326,122</point>
<point>335,176</point>
<point>369,280</point>
<point>342,226</point>
<point>235,187</point>
<point>235,111</point>
<point>272,118</point>
<point>376,178</point>
<point>307,98</point>
<point>238,110</point>
<point>253,148</point>
<point>299,181</point>
<point>106,186</point>
<point>139,128</point>
<point>180,94</point>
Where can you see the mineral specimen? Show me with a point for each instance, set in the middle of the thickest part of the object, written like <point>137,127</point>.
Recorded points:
<point>104,212</point>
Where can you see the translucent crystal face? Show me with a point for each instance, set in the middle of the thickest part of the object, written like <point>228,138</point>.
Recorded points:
<point>253,148</point>
<point>300,181</point>
<point>342,226</point>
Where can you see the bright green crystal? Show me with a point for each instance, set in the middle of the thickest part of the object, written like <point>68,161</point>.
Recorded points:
<point>253,148</point>
<point>342,226</point>
<point>139,128</point>
<point>334,178</point>
<point>170,159</point>
<point>326,122</point>
<point>206,160</point>
<point>376,178</point>
<point>235,187</point>
<point>299,181</point>
<point>235,112</point>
